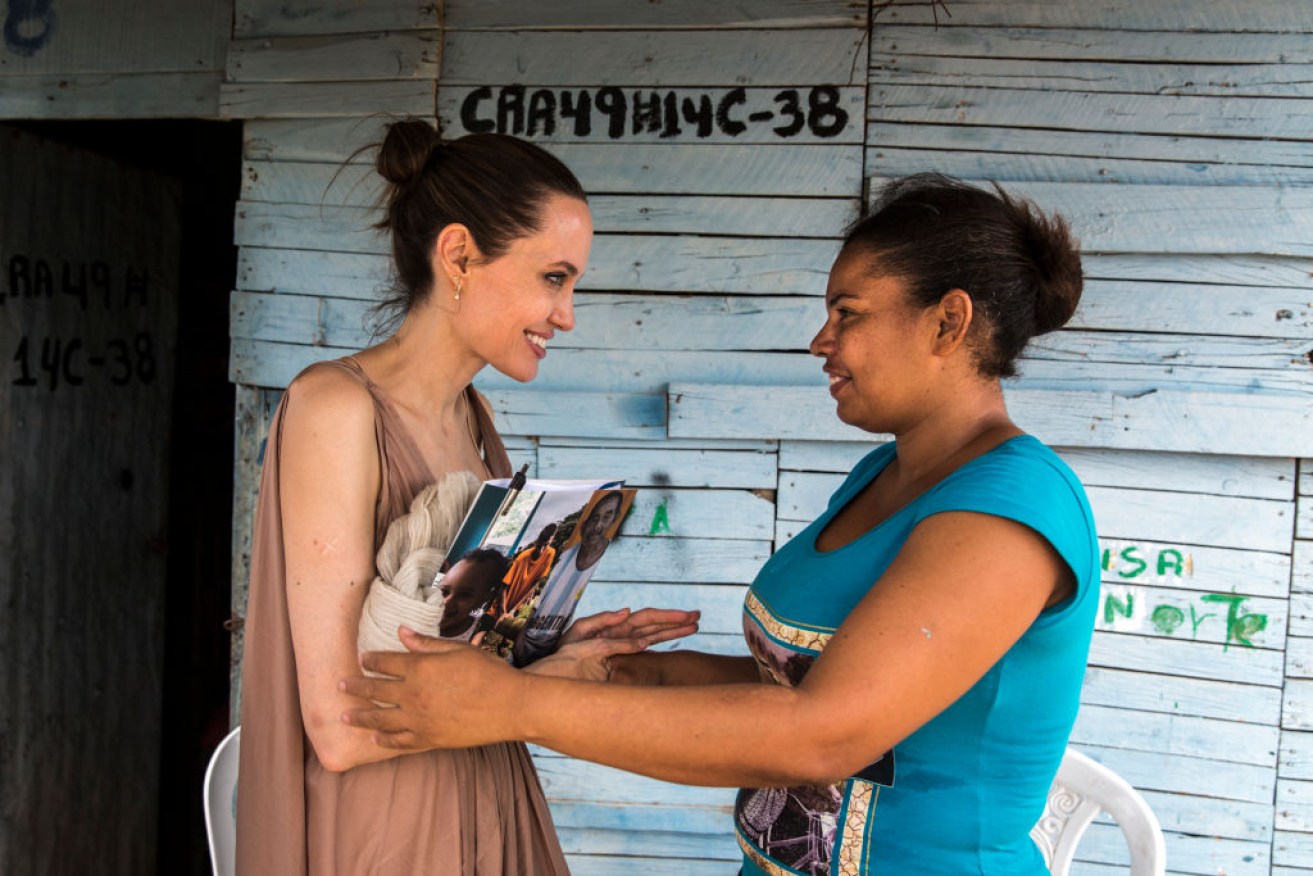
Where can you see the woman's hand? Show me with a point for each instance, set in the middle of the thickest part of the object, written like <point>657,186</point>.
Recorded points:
<point>440,695</point>
<point>648,625</point>
<point>588,646</point>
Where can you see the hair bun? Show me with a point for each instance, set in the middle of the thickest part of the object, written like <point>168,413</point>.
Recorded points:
<point>1056,258</point>
<point>405,151</point>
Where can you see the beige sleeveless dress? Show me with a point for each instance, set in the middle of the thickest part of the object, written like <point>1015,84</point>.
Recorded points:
<point>469,812</point>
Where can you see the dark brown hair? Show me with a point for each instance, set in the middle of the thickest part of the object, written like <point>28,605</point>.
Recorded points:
<point>1020,267</point>
<point>493,184</point>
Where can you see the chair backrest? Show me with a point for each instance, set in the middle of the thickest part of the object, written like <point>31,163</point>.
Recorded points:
<point>220,796</point>
<point>1083,789</point>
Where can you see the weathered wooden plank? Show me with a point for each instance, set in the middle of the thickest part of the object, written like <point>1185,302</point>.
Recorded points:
<point>721,604</point>
<point>306,226</point>
<point>1165,420</point>
<point>293,182</point>
<point>304,166</point>
<point>1296,755</point>
<point>1301,570</point>
<point>1294,805</point>
<point>1294,850</point>
<point>677,168</point>
<point>65,40</point>
<point>684,513</point>
<point>1242,824</point>
<point>662,322</point>
<point>273,363</point>
<point>701,561</point>
<point>587,814</point>
<point>320,99</point>
<point>643,467</point>
<point>1259,16</point>
<point>1248,311</point>
<point>1254,477</point>
<point>1183,657</point>
<point>1299,657</point>
<point>676,14</point>
<point>276,18</point>
<point>1177,735</point>
<point>1203,350</point>
<point>1241,80</point>
<point>1304,518</point>
<point>631,262</point>
<point>660,444</point>
<point>719,214</point>
<point>1297,704</point>
<point>1085,111</point>
<point>1227,619</point>
<point>649,843</point>
<point>347,228</point>
<point>1036,166</point>
<point>655,59</point>
<point>112,95</point>
<point>1199,219</point>
<point>350,275</point>
<point>1094,43</point>
<point>1206,569</point>
<point>811,114</point>
<point>566,778</point>
<point>608,865</point>
<point>341,58</point>
<point>1132,379</point>
<point>1186,775</point>
<point>1176,695</point>
<point>1192,518</point>
<point>1301,613</point>
<point>1201,269</point>
<point>1191,848</point>
<point>327,140</point>
<point>605,415</point>
<point>1306,477</point>
<point>1108,146</point>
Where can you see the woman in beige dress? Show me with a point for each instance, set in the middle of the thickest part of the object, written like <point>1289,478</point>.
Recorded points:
<point>489,236</point>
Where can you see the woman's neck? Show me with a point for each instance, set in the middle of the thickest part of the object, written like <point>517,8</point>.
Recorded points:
<point>964,426</point>
<point>423,366</point>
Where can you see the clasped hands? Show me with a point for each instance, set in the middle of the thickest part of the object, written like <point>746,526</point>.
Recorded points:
<point>443,694</point>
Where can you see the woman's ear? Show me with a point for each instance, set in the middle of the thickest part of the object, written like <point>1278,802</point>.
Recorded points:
<point>453,251</point>
<point>954,314</point>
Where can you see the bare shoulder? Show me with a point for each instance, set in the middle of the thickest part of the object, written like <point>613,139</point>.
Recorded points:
<point>330,394</point>
<point>328,411</point>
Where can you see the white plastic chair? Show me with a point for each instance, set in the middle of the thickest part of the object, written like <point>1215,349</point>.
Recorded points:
<point>220,796</point>
<point>1083,789</point>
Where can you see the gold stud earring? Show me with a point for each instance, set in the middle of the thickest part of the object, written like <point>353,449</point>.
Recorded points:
<point>456,281</point>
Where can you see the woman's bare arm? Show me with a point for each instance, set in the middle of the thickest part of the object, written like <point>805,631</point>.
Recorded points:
<point>329,484</point>
<point>682,669</point>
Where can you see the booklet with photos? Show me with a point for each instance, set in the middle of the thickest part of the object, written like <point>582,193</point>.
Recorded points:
<point>521,559</point>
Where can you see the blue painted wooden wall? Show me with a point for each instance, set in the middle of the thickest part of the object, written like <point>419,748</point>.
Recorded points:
<point>726,147</point>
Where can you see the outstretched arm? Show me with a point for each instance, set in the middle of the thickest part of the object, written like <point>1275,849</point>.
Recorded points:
<point>963,590</point>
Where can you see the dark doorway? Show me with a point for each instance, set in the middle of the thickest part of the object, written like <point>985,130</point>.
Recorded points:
<point>205,159</point>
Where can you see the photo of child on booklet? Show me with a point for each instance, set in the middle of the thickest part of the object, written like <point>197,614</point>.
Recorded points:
<point>521,560</point>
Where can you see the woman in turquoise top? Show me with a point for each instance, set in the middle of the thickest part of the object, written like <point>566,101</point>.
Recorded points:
<point>922,643</point>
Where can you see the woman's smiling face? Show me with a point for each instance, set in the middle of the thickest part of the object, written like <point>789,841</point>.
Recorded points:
<point>874,343</point>
<point>511,306</point>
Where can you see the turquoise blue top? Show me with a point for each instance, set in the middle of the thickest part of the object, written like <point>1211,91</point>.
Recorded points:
<point>960,795</point>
